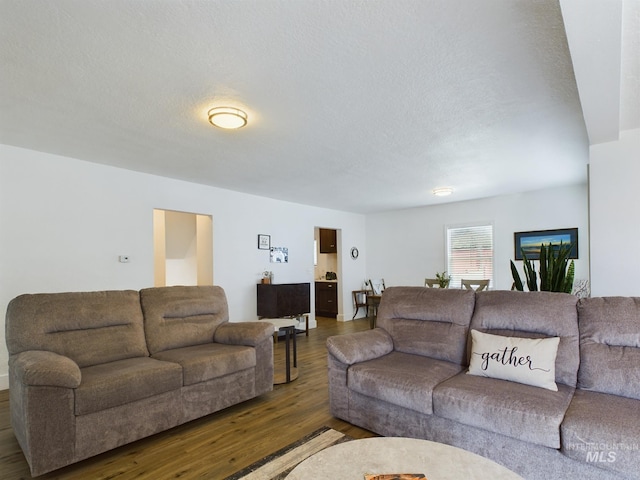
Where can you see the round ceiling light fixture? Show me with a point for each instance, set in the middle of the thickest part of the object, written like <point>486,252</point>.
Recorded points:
<point>442,191</point>
<point>229,118</point>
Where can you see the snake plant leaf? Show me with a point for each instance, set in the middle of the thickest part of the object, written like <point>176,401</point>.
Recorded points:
<point>568,285</point>
<point>560,267</point>
<point>530,273</point>
<point>517,281</point>
<point>544,279</point>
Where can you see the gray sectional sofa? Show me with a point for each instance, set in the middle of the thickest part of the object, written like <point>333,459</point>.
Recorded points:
<point>408,377</point>
<point>91,371</point>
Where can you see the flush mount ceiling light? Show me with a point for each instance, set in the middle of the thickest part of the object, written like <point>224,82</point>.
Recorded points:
<point>227,117</point>
<point>442,191</point>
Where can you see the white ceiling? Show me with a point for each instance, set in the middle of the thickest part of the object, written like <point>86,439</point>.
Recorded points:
<point>360,106</point>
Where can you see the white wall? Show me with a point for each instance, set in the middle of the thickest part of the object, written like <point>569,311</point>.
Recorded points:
<point>614,191</point>
<point>63,223</point>
<point>404,247</point>
<point>180,248</point>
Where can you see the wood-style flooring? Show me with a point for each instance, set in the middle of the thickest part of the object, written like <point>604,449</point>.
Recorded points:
<point>222,443</point>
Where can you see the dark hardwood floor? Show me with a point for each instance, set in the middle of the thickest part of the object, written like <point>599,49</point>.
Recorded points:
<point>222,443</point>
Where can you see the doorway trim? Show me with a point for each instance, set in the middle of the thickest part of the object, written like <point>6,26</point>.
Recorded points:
<point>204,247</point>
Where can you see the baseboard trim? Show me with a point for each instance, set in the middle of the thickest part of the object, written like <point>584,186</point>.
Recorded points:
<point>4,382</point>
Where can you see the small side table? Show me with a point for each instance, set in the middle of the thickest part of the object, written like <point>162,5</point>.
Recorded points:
<point>373,301</point>
<point>288,326</point>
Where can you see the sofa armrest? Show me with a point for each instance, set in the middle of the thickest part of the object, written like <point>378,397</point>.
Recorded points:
<point>243,333</point>
<point>42,368</point>
<point>360,346</point>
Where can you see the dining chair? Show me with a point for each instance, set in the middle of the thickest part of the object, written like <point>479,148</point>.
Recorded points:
<point>377,286</point>
<point>359,300</point>
<point>373,299</point>
<point>477,285</point>
<point>433,283</point>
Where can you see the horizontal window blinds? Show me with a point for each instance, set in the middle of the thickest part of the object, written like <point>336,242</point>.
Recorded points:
<point>470,254</point>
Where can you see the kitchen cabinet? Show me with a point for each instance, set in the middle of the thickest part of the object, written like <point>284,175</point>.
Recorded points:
<point>328,241</point>
<point>327,299</point>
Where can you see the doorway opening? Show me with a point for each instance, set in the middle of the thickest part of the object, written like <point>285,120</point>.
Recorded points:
<point>183,248</point>
<point>327,273</point>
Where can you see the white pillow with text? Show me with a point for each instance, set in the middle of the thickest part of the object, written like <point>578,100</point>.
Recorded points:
<point>531,361</point>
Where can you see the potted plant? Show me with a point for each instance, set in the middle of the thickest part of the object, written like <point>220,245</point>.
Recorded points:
<point>443,279</point>
<point>556,272</point>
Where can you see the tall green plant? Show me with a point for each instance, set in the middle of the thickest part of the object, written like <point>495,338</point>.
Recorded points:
<point>556,272</point>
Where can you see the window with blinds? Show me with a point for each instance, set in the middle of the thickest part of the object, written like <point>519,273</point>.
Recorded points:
<point>470,254</point>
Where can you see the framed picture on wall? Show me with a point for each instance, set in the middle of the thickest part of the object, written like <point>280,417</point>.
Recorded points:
<point>530,242</point>
<point>264,242</point>
<point>279,255</point>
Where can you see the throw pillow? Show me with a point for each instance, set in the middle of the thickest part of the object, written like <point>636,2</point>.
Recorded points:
<point>531,361</point>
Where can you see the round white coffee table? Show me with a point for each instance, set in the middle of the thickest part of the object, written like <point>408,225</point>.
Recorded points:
<point>437,461</point>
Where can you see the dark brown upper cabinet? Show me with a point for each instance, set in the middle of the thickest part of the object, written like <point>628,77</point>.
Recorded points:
<point>328,243</point>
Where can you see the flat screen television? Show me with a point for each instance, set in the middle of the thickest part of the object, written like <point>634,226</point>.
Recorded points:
<point>283,299</point>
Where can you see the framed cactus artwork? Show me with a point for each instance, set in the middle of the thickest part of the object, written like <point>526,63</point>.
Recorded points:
<point>531,242</point>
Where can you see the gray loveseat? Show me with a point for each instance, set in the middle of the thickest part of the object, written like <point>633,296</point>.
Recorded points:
<point>407,377</point>
<point>91,371</point>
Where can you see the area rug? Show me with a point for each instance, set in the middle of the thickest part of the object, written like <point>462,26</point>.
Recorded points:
<point>277,465</point>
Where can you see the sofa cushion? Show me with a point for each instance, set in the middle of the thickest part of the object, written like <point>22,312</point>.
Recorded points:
<point>603,430</point>
<point>427,321</point>
<point>610,345</point>
<point>519,411</point>
<point>124,381</point>
<point>533,315</point>
<point>205,362</point>
<point>176,317</point>
<point>523,360</point>
<point>88,327</point>
<point>359,347</point>
<point>401,378</point>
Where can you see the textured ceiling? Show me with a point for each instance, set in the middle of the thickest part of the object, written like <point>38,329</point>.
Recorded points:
<point>353,105</point>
